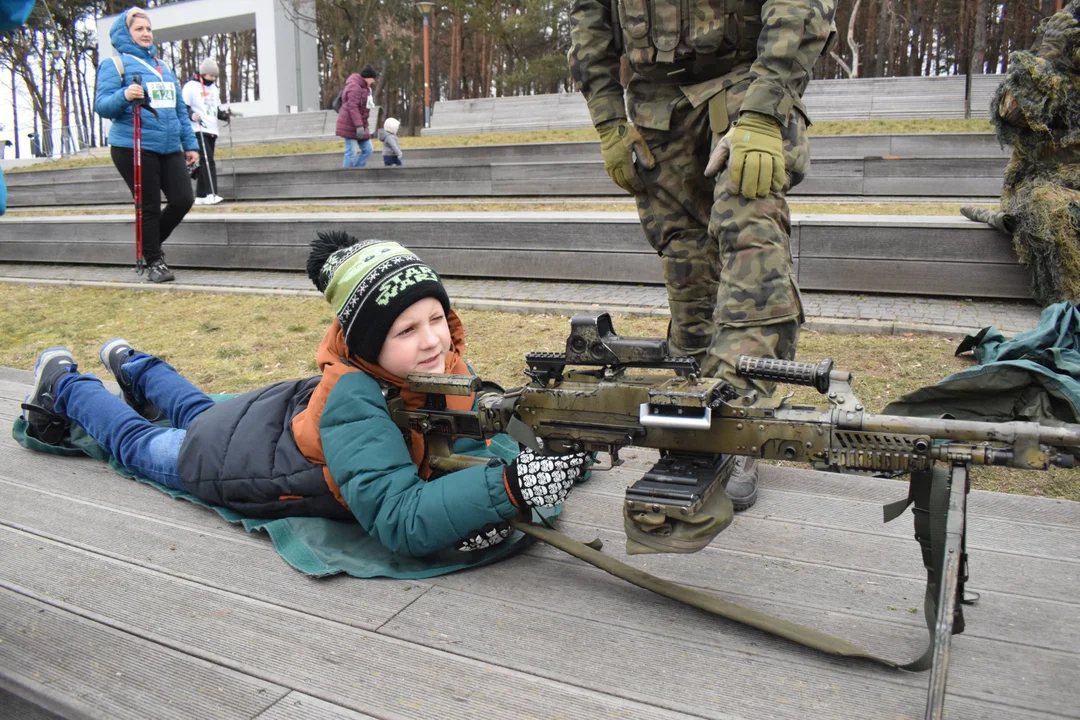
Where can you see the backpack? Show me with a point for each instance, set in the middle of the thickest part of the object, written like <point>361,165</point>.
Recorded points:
<point>336,102</point>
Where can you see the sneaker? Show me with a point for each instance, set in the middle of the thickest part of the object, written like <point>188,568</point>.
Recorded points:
<point>42,423</point>
<point>202,201</point>
<point>159,272</point>
<point>113,355</point>
<point>742,486</point>
<point>214,199</point>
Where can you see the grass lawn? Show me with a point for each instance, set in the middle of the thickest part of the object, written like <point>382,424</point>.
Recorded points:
<point>832,127</point>
<point>237,343</point>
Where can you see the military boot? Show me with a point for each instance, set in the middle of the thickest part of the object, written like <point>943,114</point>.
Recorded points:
<point>742,486</point>
<point>1001,221</point>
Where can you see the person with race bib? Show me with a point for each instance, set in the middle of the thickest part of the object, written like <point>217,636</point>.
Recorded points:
<point>168,143</point>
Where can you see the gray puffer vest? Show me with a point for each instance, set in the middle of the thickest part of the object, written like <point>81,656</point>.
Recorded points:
<point>241,454</point>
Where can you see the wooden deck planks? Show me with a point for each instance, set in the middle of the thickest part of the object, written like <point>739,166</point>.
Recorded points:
<point>81,666</point>
<point>358,669</point>
<point>14,707</point>
<point>298,706</point>
<point>541,634</point>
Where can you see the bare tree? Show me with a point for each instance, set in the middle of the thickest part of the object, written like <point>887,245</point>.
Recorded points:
<point>854,71</point>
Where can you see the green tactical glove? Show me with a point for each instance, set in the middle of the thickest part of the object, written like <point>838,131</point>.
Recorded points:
<point>754,149</point>
<point>618,143</point>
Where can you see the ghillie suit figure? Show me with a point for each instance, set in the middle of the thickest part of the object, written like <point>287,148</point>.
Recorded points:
<point>1037,111</point>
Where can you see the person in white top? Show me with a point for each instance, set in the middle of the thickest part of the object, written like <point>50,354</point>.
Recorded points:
<point>205,110</point>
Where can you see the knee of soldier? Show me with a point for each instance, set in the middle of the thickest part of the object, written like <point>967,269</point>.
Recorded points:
<point>739,224</point>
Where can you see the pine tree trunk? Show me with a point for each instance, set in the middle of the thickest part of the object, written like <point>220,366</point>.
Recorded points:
<point>978,45</point>
<point>881,47</point>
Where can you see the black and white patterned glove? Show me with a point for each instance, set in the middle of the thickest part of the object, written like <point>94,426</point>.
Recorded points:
<point>543,480</point>
<point>485,537</point>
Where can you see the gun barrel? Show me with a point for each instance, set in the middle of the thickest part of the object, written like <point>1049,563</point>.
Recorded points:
<point>974,431</point>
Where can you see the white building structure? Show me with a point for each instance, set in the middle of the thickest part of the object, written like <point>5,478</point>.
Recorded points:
<point>285,37</point>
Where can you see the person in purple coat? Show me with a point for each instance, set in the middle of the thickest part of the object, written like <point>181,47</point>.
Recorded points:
<point>352,121</point>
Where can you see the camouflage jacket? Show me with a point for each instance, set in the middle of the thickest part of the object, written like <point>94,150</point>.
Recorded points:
<point>778,40</point>
<point>1036,109</point>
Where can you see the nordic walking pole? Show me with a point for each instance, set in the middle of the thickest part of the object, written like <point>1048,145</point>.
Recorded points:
<point>232,159</point>
<point>137,110</point>
<point>140,264</point>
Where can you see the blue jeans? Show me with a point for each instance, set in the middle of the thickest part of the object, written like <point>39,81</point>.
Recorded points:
<point>389,160</point>
<point>356,153</point>
<point>142,448</point>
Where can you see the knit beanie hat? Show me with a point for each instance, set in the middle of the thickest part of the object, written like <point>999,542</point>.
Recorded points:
<point>369,283</point>
<point>392,125</point>
<point>209,66</point>
<point>368,72</point>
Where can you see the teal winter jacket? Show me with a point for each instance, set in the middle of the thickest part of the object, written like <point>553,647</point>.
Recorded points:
<point>370,461</point>
<point>243,454</point>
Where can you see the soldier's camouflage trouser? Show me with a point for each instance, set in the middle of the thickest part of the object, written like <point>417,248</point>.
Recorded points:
<point>726,260</point>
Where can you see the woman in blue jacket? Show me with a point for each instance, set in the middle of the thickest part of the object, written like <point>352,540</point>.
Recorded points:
<point>168,144</point>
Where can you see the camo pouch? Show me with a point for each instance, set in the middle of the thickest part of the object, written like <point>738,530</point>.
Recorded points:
<point>685,41</point>
<point>656,532</point>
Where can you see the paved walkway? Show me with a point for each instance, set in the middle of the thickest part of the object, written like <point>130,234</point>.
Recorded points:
<point>826,312</point>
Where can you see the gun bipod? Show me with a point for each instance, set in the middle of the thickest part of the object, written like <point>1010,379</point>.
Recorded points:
<point>948,531</point>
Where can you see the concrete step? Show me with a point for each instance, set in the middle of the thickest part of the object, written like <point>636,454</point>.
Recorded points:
<point>906,255</point>
<point>858,99</point>
<point>415,157</point>
<point>822,147</point>
<point>309,179</point>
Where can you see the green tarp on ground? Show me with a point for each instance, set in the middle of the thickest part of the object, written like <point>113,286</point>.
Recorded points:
<point>1033,376</point>
<point>316,546</point>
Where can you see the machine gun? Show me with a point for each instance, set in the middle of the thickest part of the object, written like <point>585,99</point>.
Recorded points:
<point>603,394</point>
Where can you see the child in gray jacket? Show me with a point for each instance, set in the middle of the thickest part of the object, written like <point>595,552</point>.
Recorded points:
<point>391,150</point>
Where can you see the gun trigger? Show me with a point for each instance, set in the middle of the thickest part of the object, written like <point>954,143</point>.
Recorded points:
<point>522,433</point>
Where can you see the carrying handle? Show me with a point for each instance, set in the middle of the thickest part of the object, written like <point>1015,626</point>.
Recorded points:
<point>786,371</point>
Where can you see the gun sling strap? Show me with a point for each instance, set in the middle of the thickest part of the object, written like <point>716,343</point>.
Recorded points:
<point>929,491</point>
